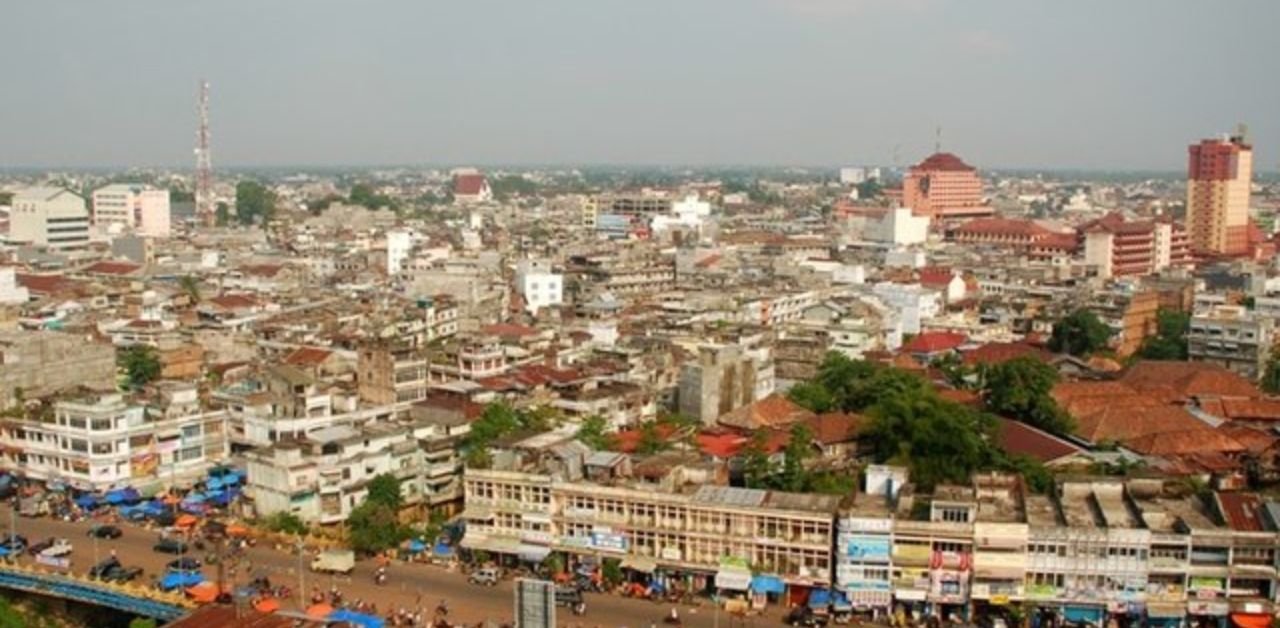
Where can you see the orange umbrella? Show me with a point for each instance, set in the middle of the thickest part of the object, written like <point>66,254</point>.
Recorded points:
<point>267,605</point>
<point>203,593</point>
<point>319,611</point>
<point>185,521</point>
<point>236,529</point>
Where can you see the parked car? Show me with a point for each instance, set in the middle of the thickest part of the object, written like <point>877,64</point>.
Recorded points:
<point>170,546</point>
<point>186,563</point>
<point>334,561</point>
<point>571,597</point>
<point>487,576</point>
<point>37,548</point>
<point>122,574</point>
<point>105,532</point>
<point>805,616</point>
<point>15,543</point>
<point>57,549</point>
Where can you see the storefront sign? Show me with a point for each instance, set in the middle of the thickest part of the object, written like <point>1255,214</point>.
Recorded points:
<point>1201,583</point>
<point>866,524</point>
<point>866,548</point>
<point>1216,609</point>
<point>1042,591</point>
<point>671,553</point>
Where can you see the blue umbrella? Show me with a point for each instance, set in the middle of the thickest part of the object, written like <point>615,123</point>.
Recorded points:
<point>193,498</point>
<point>233,478</point>
<point>416,546</point>
<point>4,551</point>
<point>115,497</point>
<point>213,484</point>
<point>359,619</point>
<point>87,501</point>
<point>131,495</point>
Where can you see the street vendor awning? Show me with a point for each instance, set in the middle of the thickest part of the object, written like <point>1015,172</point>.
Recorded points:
<point>642,564</point>
<point>356,619</point>
<point>417,546</point>
<point>1083,614</point>
<point>1166,610</point>
<point>819,598</point>
<point>87,502</point>
<point>489,544</point>
<point>443,549</point>
<point>733,579</point>
<point>765,583</point>
<point>534,553</point>
<point>1251,620</point>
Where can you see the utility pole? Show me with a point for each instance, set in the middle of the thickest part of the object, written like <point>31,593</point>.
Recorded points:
<point>302,575</point>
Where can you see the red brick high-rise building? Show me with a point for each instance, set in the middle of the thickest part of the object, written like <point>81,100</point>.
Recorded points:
<point>1219,173</point>
<point>943,186</point>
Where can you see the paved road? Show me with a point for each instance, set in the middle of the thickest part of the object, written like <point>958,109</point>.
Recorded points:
<point>408,585</point>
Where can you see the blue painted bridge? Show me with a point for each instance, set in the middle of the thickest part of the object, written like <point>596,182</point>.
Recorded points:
<point>135,600</point>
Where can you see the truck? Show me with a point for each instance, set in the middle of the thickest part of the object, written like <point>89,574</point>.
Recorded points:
<point>334,561</point>
<point>34,506</point>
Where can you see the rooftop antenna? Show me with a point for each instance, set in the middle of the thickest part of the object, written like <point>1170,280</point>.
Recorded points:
<point>937,139</point>
<point>205,209</point>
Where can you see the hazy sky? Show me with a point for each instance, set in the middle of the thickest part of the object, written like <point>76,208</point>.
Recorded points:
<point>1052,83</point>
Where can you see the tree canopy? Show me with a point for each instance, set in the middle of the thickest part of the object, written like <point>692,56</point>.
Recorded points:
<point>498,420</point>
<point>594,433</point>
<point>1079,333</point>
<point>255,203</point>
<point>141,365</point>
<point>362,194</point>
<point>375,525</point>
<point>1170,340</point>
<point>1020,389</point>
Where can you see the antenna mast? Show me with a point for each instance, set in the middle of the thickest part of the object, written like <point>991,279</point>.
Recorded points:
<point>206,212</point>
<point>937,139</point>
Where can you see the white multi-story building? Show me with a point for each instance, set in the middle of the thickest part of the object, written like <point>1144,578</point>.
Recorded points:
<point>10,292</point>
<point>913,303</point>
<point>900,227</point>
<point>52,217</point>
<point>539,286</point>
<point>399,244</point>
<point>132,207</point>
<point>101,442</point>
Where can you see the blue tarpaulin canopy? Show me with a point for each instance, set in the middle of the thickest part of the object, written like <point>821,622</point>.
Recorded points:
<point>180,579</point>
<point>1083,614</point>
<point>118,496</point>
<point>840,601</point>
<point>359,619</point>
<point>416,546</point>
<point>764,583</point>
<point>4,551</point>
<point>213,483</point>
<point>87,501</point>
<point>131,495</point>
<point>193,498</point>
<point>443,549</point>
<point>819,598</point>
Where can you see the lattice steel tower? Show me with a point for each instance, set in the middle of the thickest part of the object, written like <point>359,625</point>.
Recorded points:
<point>206,211</point>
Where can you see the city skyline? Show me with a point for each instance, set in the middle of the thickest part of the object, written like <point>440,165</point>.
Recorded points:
<point>743,83</point>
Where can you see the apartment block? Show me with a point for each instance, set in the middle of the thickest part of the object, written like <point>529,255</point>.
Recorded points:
<point>1232,336</point>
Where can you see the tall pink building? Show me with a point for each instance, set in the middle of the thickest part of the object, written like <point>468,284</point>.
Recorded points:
<point>943,186</point>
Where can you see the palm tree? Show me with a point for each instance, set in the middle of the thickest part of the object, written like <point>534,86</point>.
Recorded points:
<point>191,286</point>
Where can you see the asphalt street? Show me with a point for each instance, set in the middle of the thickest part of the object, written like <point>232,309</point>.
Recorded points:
<point>410,585</point>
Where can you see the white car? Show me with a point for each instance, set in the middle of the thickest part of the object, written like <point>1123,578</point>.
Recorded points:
<point>60,548</point>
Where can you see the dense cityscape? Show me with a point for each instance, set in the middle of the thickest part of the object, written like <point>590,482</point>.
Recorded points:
<point>928,388</point>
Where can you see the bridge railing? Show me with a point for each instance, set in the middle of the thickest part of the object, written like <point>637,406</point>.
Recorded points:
<point>130,597</point>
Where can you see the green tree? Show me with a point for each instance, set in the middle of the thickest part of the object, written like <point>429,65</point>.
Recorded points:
<point>794,476</point>
<point>954,370</point>
<point>1271,374</point>
<point>497,420</point>
<point>362,194</point>
<point>594,433</point>
<point>285,523</point>
<point>9,616</point>
<point>384,489</point>
<point>1079,333</point>
<point>1037,477</point>
<point>142,622</point>
<point>1170,340</point>
<point>222,214</point>
<point>757,467</point>
<point>812,396</point>
<point>611,571</point>
<point>1021,389</point>
<point>478,458</point>
<point>939,441</point>
<point>141,365</point>
<point>651,441</point>
<point>254,203</point>
<point>190,286</point>
<point>869,189</point>
<point>375,527</point>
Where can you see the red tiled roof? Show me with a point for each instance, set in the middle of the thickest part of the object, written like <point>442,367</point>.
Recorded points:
<point>962,397</point>
<point>772,411</point>
<point>307,356</point>
<point>936,276</point>
<point>943,162</point>
<point>1254,440</point>
<point>1188,379</point>
<point>830,428</point>
<point>468,184</point>
<point>45,284</point>
<point>628,441</point>
<point>1000,352</point>
<point>1243,409</point>
<point>1016,437</point>
<point>1242,511</point>
<point>234,301</point>
<point>262,270</point>
<point>509,330</point>
<point>1003,226</point>
<point>708,261</point>
<point>1193,440</point>
<point>935,342</point>
<point>723,445</point>
<point>111,268</point>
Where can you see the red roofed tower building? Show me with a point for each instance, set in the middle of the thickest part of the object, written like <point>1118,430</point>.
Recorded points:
<point>943,186</point>
<point>1219,173</point>
<point>471,187</point>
